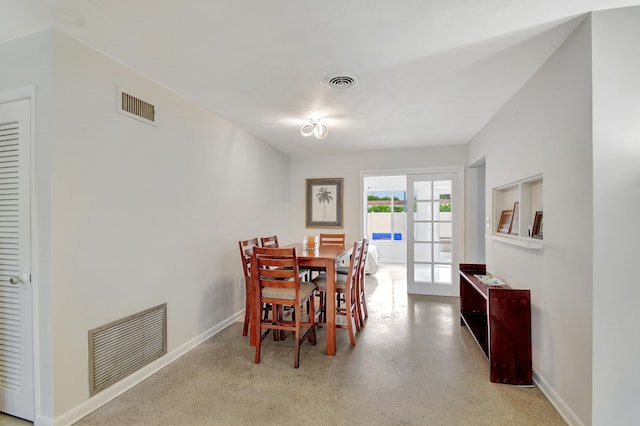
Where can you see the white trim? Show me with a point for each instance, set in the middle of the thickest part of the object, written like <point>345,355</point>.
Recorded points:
<point>43,421</point>
<point>524,242</point>
<point>129,382</point>
<point>27,92</point>
<point>555,400</point>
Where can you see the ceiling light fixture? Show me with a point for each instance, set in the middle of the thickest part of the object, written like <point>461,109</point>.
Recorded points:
<point>315,128</point>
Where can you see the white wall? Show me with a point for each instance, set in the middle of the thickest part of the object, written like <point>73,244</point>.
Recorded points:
<point>546,128</point>
<point>475,207</point>
<point>616,179</point>
<point>139,215</point>
<point>348,166</point>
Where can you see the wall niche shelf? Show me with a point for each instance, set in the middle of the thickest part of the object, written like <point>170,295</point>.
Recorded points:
<point>526,197</point>
<point>524,242</point>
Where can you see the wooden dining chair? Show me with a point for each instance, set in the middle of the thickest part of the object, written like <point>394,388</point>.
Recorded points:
<point>246,250</point>
<point>272,242</point>
<point>278,283</point>
<point>347,285</point>
<point>327,240</point>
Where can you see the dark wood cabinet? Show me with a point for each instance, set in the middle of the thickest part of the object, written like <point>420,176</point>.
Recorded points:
<point>499,319</point>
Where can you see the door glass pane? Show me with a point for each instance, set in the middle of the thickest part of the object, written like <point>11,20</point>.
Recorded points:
<point>442,232</point>
<point>422,190</point>
<point>442,189</point>
<point>422,273</point>
<point>423,211</point>
<point>442,209</point>
<point>443,274</point>
<point>442,252</point>
<point>422,231</point>
<point>422,252</point>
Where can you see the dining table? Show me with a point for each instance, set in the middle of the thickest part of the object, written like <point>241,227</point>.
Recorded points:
<point>326,257</point>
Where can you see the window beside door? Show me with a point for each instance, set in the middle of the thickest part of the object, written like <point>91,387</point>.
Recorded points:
<point>386,217</point>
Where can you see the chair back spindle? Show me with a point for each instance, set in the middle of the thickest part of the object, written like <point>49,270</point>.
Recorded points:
<point>332,240</point>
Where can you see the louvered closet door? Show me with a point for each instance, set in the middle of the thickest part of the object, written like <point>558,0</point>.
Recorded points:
<point>16,305</point>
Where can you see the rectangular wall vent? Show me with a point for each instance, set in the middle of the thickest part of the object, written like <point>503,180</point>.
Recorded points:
<point>136,108</point>
<point>121,347</point>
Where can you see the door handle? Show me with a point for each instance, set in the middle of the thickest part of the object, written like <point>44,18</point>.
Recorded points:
<point>19,279</point>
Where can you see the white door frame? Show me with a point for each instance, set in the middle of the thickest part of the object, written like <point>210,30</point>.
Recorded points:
<point>18,94</point>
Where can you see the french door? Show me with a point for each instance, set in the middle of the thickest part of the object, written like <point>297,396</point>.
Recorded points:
<point>434,217</point>
<point>16,291</point>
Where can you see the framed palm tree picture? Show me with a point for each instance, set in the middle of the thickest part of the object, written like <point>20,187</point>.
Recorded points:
<point>324,203</point>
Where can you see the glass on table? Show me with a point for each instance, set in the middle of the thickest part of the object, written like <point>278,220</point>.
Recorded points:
<point>311,242</point>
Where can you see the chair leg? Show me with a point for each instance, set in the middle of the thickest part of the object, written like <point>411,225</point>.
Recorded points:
<point>350,321</point>
<point>245,327</point>
<point>278,316</point>
<point>364,305</point>
<point>274,315</point>
<point>296,360</point>
<point>322,307</point>
<point>312,319</point>
<point>352,337</point>
<point>356,315</point>
<point>360,314</point>
<point>256,359</point>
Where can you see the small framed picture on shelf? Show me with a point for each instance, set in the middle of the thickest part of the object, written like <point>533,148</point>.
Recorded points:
<point>505,221</point>
<point>536,232</point>
<point>515,221</point>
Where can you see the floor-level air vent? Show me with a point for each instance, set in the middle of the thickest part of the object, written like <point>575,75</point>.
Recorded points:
<point>119,348</point>
<point>136,108</point>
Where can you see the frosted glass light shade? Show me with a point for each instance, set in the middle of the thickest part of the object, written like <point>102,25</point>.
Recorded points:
<point>307,130</point>
<point>320,131</point>
<point>315,128</point>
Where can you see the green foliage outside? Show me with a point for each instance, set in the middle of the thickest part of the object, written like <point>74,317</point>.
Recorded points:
<point>400,209</point>
<point>444,208</point>
<point>385,209</point>
<point>376,198</point>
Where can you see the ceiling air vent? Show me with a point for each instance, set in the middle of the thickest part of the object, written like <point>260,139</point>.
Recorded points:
<point>340,81</point>
<point>136,108</point>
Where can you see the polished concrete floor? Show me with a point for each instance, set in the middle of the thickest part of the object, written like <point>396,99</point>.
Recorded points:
<point>413,365</point>
<point>12,421</point>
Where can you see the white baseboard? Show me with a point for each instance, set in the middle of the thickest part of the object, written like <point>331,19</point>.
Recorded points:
<point>130,381</point>
<point>43,421</point>
<point>567,414</point>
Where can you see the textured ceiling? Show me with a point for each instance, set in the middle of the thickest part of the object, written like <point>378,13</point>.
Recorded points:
<point>430,72</point>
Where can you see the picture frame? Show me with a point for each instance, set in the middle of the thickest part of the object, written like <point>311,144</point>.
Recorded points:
<point>536,231</point>
<point>505,221</point>
<point>324,206</point>
<point>515,221</point>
